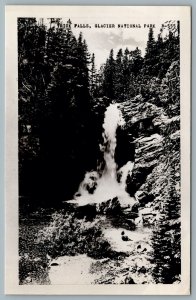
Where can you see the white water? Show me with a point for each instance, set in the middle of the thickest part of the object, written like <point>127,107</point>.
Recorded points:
<point>125,171</point>
<point>106,185</point>
<point>113,119</point>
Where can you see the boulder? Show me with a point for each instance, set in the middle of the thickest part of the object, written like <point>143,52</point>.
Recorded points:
<point>142,270</point>
<point>110,207</point>
<point>88,212</point>
<point>143,198</point>
<point>125,238</point>
<point>129,280</point>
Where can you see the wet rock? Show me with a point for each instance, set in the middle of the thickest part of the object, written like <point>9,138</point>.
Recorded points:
<point>134,208</point>
<point>143,198</point>
<point>125,238</point>
<point>142,270</point>
<point>77,195</point>
<point>90,182</point>
<point>144,250</point>
<point>123,222</point>
<point>157,207</point>
<point>138,178</point>
<point>110,207</point>
<point>129,280</point>
<point>88,212</point>
<point>125,149</point>
<point>54,264</point>
<point>129,214</point>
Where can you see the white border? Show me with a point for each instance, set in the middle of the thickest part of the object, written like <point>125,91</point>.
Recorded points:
<point>146,13</point>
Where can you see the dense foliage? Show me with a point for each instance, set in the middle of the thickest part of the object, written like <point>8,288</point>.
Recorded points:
<point>130,74</point>
<point>54,109</point>
<point>67,235</point>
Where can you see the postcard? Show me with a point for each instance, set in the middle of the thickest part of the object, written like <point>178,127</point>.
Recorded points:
<point>98,150</point>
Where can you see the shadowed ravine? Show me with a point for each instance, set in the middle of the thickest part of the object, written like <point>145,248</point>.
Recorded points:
<point>104,190</point>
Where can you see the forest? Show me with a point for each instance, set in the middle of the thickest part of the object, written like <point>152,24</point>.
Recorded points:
<point>62,98</point>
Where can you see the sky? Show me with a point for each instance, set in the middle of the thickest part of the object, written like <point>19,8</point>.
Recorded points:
<point>100,41</point>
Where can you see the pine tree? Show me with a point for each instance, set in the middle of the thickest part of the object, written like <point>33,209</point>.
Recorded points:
<point>33,72</point>
<point>119,92</point>
<point>169,90</point>
<point>136,61</point>
<point>151,56</point>
<point>166,239</point>
<point>53,104</point>
<point>109,76</point>
<point>126,75</point>
<point>93,76</point>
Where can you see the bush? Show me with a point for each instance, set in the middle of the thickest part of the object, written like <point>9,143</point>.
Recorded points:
<point>67,235</point>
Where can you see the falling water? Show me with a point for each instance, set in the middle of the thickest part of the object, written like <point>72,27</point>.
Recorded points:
<point>96,188</point>
<point>113,119</point>
<point>125,171</point>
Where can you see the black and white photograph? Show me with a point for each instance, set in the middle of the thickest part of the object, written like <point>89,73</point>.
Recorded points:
<point>100,149</point>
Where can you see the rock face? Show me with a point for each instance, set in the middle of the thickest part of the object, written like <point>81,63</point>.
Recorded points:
<point>111,208</point>
<point>125,145</point>
<point>155,182</point>
<point>156,138</point>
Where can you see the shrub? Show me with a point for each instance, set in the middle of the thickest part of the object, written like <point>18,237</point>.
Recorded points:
<point>67,235</point>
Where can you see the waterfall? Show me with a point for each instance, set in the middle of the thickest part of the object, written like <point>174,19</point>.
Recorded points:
<point>125,171</point>
<point>96,187</point>
<point>113,119</point>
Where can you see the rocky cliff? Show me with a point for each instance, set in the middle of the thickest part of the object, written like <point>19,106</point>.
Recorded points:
<point>155,182</point>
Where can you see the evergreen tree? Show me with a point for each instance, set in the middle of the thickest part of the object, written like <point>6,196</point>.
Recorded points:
<point>93,76</point>
<point>169,90</point>
<point>136,61</point>
<point>33,73</point>
<point>166,239</point>
<point>109,76</point>
<point>126,74</point>
<point>119,86</point>
<point>151,55</point>
<point>54,108</point>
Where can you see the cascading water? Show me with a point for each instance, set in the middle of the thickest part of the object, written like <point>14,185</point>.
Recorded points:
<point>113,119</point>
<point>125,171</point>
<point>96,187</point>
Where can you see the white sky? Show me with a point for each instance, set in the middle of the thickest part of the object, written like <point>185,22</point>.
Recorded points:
<point>101,40</point>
